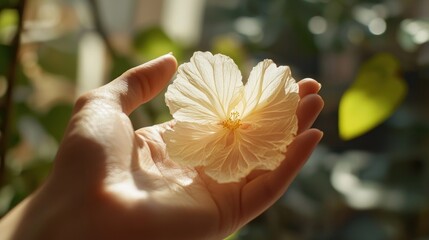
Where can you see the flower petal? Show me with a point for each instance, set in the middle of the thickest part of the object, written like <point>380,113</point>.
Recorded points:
<point>269,114</point>
<point>237,161</point>
<point>192,144</point>
<point>215,148</point>
<point>229,165</point>
<point>228,128</point>
<point>265,81</point>
<point>260,143</point>
<point>206,89</point>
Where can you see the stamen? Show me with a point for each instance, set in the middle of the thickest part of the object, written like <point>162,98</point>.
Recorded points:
<point>233,122</point>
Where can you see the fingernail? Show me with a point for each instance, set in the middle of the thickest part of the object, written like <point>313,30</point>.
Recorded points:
<point>321,134</point>
<point>320,86</point>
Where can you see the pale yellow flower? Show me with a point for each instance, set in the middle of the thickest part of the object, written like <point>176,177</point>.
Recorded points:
<point>229,128</point>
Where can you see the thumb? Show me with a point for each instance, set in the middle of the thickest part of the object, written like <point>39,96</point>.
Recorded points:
<point>142,83</point>
<point>97,135</point>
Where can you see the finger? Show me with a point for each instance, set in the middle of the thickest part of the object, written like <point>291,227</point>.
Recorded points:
<point>264,190</point>
<point>308,86</point>
<point>142,83</point>
<point>309,108</point>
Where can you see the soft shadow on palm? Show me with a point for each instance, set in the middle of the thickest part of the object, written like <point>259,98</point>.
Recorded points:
<point>194,199</point>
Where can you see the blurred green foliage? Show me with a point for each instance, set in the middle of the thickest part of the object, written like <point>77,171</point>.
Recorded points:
<point>372,98</point>
<point>8,17</point>
<point>153,42</point>
<point>8,23</point>
<point>231,47</point>
<point>64,49</point>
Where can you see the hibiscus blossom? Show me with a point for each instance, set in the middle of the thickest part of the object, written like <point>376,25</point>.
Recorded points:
<point>226,127</point>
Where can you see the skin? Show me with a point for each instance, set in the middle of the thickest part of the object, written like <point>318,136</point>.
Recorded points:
<point>112,182</point>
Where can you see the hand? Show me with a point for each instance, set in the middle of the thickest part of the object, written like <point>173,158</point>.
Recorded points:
<point>111,182</point>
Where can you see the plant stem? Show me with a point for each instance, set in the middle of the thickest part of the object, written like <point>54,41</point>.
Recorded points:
<point>8,101</point>
<point>99,27</point>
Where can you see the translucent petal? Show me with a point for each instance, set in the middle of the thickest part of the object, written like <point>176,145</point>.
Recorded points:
<point>272,123</point>
<point>263,137</point>
<point>229,129</point>
<point>260,146</point>
<point>265,81</point>
<point>218,150</point>
<point>243,156</point>
<point>206,89</point>
<point>192,144</point>
<point>229,165</point>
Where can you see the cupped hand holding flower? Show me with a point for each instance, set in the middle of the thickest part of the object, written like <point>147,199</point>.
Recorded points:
<point>110,181</point>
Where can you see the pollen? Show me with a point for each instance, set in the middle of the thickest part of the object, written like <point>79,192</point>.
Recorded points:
<point>233,122</point>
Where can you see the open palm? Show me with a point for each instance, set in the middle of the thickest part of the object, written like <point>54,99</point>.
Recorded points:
<point>117,183</point>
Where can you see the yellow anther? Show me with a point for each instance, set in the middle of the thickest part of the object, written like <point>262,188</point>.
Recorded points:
<point>233,122</point>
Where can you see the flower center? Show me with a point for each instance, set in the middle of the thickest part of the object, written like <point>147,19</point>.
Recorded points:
<point>233,122</point>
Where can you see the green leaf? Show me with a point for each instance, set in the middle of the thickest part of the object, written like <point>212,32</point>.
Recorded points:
<point>153,42</point>
<point>6,196</point>
<point>230,46</point>
<point>59,56</point>
<point>372,98</point>
<point>8,24</point>
<point>8,17</point>
<point>56,120</point>
<point>121,63</point>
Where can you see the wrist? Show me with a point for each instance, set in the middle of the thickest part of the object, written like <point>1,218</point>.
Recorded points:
<point>23,221</point>
<point>42,215</point>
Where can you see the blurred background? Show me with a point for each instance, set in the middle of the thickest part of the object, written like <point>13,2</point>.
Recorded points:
<point>368,179</point>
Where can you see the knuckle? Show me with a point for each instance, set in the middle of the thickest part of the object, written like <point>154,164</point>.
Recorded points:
<point>84,100</point>
<point>139,84</point>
